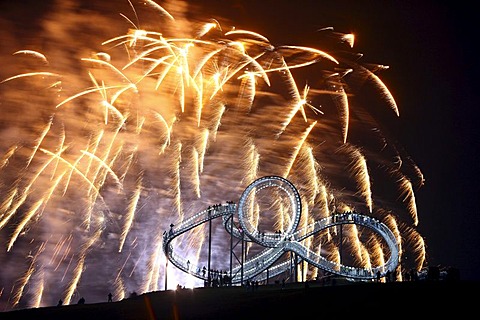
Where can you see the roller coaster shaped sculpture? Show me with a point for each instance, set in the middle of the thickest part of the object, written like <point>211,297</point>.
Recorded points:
<point>265,264</point>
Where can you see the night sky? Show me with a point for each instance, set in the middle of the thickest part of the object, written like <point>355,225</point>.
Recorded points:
<point>430,50</point>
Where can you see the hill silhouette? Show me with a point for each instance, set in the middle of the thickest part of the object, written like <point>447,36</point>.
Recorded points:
<point>295,300</point>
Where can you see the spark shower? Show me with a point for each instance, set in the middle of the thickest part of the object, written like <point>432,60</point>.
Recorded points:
<point>103,147</point>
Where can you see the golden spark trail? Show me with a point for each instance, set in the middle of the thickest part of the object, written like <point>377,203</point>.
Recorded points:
<point>360,171</point>
<point>181,71</point>
<point>153,65</point>
<point>250,60</point>
<point>25,279</point>
<point>130,213</point>
<point>14,208</point>
<point>409,198</point>
<point>107,153</point>
<point>119,293</point>
<point>159,260</point>
<point>129,161</point>
<point>365,256</point>
<point>88,91</point>
<point>196,173</point>
<point>312,50</point>
<point>340,99</point>
<point>111,67</point>
<point>304,215</point>
<point>206,29</point>
<point>324,210</point>
<point>67,267</point>
<point>251,33</point>
<point>79,268</point>
<point>201,64</point>
<point>203,148</point>
<point>40,287</point>
<point>247,88</point>
<point>104,165</point>
<point>312,175</point>
<point>177,183</point>
<point>254,209</point>
<point>156,272</point>
<point>297,102</point>
<point>65,253</point>
<point>74,282</point>
<point>159,8</point>
<point>199,98</point>
<point>26,190</point>
<point>419,249</point>
<point>251,162</point>
<point>68,179</point>
<point>7,203</point>
<point>31,212</point>
<point>356,243</point>
<point>94,147</point>
<point>168,129</point>
<point>108,105</point>
<point>283,218</point>
<point>33,53</point>
<point>58,247</point>
<point>6,157</point>
<point>200,242</point>
<point>57,155</point>
<point>393,225</point>
<point>30,74</point>
<point>120,270</point>
<point>315,270</point>
<point>384,89</point>
<point>297,149</point>
<point>150,284</point>
<point>61,146</point>
<point>132,36</point>
<point>218,115</point>
<point>39,141</point>
<point>377,253</point>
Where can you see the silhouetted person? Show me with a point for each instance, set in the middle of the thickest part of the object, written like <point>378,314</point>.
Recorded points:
<point>110,297</point>
<point>378,276</point>
<point>60,302</point>
<point>81,301</point>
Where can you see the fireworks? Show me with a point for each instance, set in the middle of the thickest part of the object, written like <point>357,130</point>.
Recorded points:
<point>161,124</point>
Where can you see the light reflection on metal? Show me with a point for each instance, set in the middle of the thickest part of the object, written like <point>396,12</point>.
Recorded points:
<point>265,264</point>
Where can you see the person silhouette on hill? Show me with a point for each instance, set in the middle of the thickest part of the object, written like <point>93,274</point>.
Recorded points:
<point>81,301</point>
<point>110,297</point>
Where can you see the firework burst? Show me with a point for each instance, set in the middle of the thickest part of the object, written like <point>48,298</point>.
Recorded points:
<point>100,156</point>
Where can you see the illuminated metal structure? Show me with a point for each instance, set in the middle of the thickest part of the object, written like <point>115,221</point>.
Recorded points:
<point>266,263</point>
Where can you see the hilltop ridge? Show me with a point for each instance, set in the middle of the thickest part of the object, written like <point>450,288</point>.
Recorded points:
<point>268,302</point>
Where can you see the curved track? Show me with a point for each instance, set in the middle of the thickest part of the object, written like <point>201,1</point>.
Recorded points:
<point>265,264</point>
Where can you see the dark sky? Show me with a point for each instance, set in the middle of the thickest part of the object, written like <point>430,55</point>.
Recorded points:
<point>430,50</point>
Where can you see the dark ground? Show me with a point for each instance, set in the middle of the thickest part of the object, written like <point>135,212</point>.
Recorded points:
<point>404,299</point>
